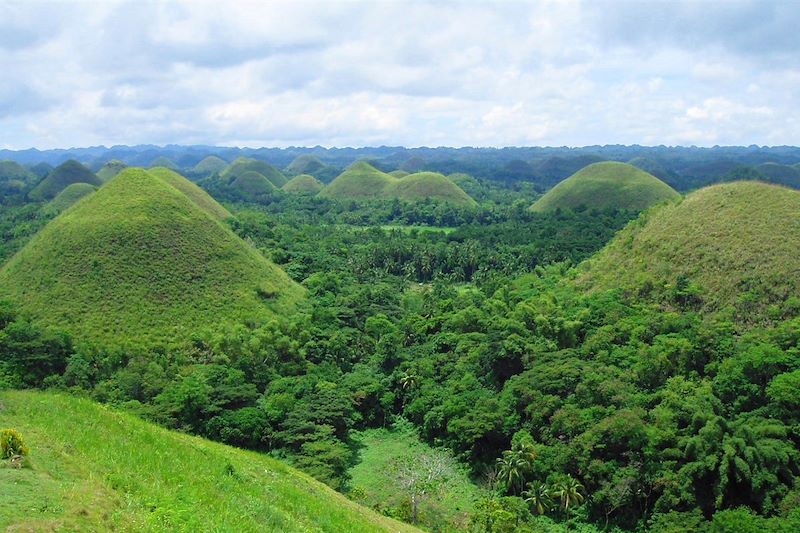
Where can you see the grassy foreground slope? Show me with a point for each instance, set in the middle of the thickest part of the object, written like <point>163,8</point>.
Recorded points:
<point>303,183</point>
<point>606,185</point>
<point>192,191</point>
<point>140,261</point>
<point>95,469</point>
<point>62,176</point>
<point>735,241</point>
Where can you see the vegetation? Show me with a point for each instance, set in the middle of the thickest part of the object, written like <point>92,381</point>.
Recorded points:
<point>11,444</point>
<point>244,165</point>
<point>163,161</point>
<point>139,261</point>
<point>210,165</point>
<point>252,185</point>
<point>192,191</point>
<point>71,194</point>
<point>303,184</point>
<point>723,248</point>
<point>61,177</point>
<point>93,468</point>
<point>606,185</point>
<point>111,169</point>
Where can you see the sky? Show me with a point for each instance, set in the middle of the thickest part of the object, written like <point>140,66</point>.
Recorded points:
<point>268,73</point>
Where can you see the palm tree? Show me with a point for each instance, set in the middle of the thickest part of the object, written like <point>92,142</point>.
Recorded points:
<point>538,496</point>
<point>514,464</point>
<point>569,493</point>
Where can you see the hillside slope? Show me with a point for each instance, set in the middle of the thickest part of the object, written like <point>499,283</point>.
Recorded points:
<point>210,165</point>
<point>192,191</point>
<point>303,184</point>
<point>606,185</point>
<point>60,177</point>
<point>736,241</point>
<point>422,185</point>
<point>95,469</point>
<point>138,261</point>
<point>359,180</point>
<point>69,196</point>
<point>243,164</point>
<point>111,169</point>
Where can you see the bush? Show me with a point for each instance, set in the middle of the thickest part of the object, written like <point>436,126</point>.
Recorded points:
<point>11,444</point>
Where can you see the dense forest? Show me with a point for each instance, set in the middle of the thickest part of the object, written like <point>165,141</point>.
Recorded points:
<point>622,409</point>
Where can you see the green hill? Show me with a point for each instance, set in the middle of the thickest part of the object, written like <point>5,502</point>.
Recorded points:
<point>194,192</point>
<point>362,180</point>
<point>40,170</point>
<point>653,167</point>
<point>782,174</point>
<point>422,185</point>
<point>735,241</point>
<point>305,164</point>
<point>359,180</point>
<point>243,164</point>
<point>252,184</point>
<point>139,261</point>
<point>92,468</point>
<point>69,196</point>
<point>398,174</point>
<point>304,184</point>
<point>13,171</point>
<point>162,161</point>
<point>606,185</point>
<point>210,165</point>
<point>111,169</point>
<point>60,177</point>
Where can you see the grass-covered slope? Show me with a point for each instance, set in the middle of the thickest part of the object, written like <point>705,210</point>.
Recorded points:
<point>209,165</point>
<point>303,184</point>
<point>252,184</point>
<point>243,164</point>
<point>606,185</point>
<point>422,185</point>
<point>69,196</point>
<point>192,191</point>
<point>305,164</point>
<point>362,180</point>
<point>163,161</point>
<point>13,171</point>
<point>95,469</point>
<point>734,241</point>
<point>359,180</point>
<point>60,177</point>
<point>139,261</point>
<point>111,169</point>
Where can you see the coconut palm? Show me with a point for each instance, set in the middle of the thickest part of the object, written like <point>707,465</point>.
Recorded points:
<point>569,493</point>
<point>538,496</point>
<point>514,465</point>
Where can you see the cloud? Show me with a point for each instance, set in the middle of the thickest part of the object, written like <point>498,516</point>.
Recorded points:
<point>413,73</point>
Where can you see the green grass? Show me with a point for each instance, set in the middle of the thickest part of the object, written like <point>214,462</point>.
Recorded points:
<point>304,184</point>
<point>398,174</point>
<point>446,511</point>
<point>243,165</point>
<point>162,161</point>
<point>305,164</point>
<point>69,196</point>
<point>606,185</point>
<point>429,229</point>
<point>13,171</point>
<point>60,177</point>
<point>253,184</point>
<point>192,191</point>
<point>362,180</point>
<point>96,469</point>
<point>111,169</point>
<point>209,165</point>
<point>726,238</point>
<point>139,261</point>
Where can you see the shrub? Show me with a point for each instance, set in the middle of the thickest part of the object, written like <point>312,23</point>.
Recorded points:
<point>11,444</point>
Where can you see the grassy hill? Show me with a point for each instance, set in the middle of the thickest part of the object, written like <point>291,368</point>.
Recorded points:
<point>13,171</point>
<point>95,469</point>
<point>111,169</point>
<point>243,164</point>
<point>735,241</point>
<point>194,192</point>
<point>60,177</point>
<point>362,180</point>
<point>606,185</point>
<point>69,196</point>
<point>209,165</point>
<point>162,161</point>
<point>139,261</point>
<point>40,170</point>
<point>252,184</point>
<point>303,183</point>
<point>305,164</point>
<point>398,173</point>
<point>782,174</point>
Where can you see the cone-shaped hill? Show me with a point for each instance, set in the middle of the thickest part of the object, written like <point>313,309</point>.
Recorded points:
<point>362,180</point>
<point>69,196</point>
<point>194,192</point>
<point>607,185</point>
<point>210,165</point>
<point>243,164</point>
<point>13,171</point>
<point>303,184</point>
<point>111,169</point>
<point>736,242</point>
<point>305,164</point>
<point>138,261</point>
<point>252,184</point>
<point>163,161</point>
<point>60,177</point>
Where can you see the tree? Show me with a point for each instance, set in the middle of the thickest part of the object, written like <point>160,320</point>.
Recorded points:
<point>538,496</point>
<point>422,474</point>
<point>515,464</point>
<point>568,493</point>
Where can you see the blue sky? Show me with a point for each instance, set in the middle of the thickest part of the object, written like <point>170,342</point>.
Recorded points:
<point>399,73</point>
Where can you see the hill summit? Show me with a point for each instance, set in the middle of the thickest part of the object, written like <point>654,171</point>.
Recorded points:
<point>303,184</point>
<point>606,185</point>
<point>139,260</point>
<point>736,242</point>
<point>60,177</point>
